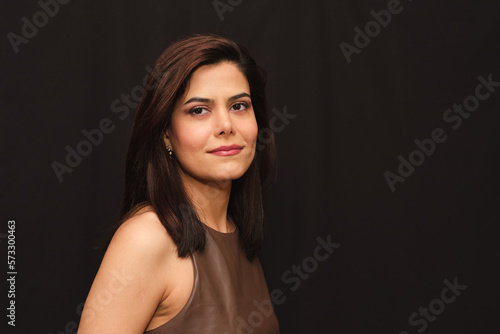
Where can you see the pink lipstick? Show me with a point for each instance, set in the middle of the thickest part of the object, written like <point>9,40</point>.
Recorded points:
<point>226,150</point>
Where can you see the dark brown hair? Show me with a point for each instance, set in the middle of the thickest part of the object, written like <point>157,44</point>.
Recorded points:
<point>152,178</point>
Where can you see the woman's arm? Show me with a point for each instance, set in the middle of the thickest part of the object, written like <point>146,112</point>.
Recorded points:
<point>130,282</point>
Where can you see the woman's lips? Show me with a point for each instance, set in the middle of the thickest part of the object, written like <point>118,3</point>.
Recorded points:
<point>227,150</point>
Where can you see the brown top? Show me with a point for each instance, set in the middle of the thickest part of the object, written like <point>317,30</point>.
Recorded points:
<point>229,294</point>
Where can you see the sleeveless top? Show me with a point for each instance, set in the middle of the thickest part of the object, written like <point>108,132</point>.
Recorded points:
<point>229,294</point>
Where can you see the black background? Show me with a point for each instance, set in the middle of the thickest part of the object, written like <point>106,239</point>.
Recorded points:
<point>352,121</point>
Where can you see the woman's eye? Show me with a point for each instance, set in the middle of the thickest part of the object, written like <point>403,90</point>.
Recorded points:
<point>198,111</point>
<point>239,106</point>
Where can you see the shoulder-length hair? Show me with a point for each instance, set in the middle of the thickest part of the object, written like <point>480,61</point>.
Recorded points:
<point>152,178</point>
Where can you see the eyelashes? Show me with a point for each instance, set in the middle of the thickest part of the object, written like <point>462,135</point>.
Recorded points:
<point>198,111</point>
<point>241,104</point>
<point>201,110</point>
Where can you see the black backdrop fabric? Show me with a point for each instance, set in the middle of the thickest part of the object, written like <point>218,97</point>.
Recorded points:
<point>383,217</point>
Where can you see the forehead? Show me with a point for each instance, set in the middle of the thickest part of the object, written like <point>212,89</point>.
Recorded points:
<point>217,80</point>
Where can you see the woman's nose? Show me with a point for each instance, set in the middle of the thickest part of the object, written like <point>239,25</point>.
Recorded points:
<point>224,125</point>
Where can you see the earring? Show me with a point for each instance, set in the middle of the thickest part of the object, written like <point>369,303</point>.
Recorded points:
<point>169,152</point>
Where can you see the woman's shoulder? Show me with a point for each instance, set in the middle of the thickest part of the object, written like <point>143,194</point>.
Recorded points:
<point>134,274</point>
<point>144,233</point>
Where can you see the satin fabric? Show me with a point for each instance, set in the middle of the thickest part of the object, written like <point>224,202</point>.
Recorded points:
<point>229,295</point>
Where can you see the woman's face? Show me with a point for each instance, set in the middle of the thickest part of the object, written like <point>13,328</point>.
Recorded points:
<point>213,130</point>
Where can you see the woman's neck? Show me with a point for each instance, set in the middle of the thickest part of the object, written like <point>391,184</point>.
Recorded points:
<point>211,200</point>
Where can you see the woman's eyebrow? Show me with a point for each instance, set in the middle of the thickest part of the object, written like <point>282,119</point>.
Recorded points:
<point>199,99</point>
<point>238,96</point>
<point>205,100</point>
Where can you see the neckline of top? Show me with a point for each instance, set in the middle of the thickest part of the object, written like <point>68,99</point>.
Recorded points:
<point>223,233</point>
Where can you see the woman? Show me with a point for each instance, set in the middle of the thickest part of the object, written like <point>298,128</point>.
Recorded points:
<point>183,259</point>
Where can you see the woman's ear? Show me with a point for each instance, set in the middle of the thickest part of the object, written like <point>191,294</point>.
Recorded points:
<point>168,145</point>
<point>166,139</point>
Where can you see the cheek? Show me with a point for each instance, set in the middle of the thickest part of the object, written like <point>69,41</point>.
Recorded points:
<point>251,132</point>
<point>188,138</point>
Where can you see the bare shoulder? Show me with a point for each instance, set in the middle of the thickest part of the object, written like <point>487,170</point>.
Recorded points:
<point>144,233</point>
<point>130,283</point>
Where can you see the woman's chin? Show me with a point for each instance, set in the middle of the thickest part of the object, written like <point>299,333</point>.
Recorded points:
<point>230,176</point>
